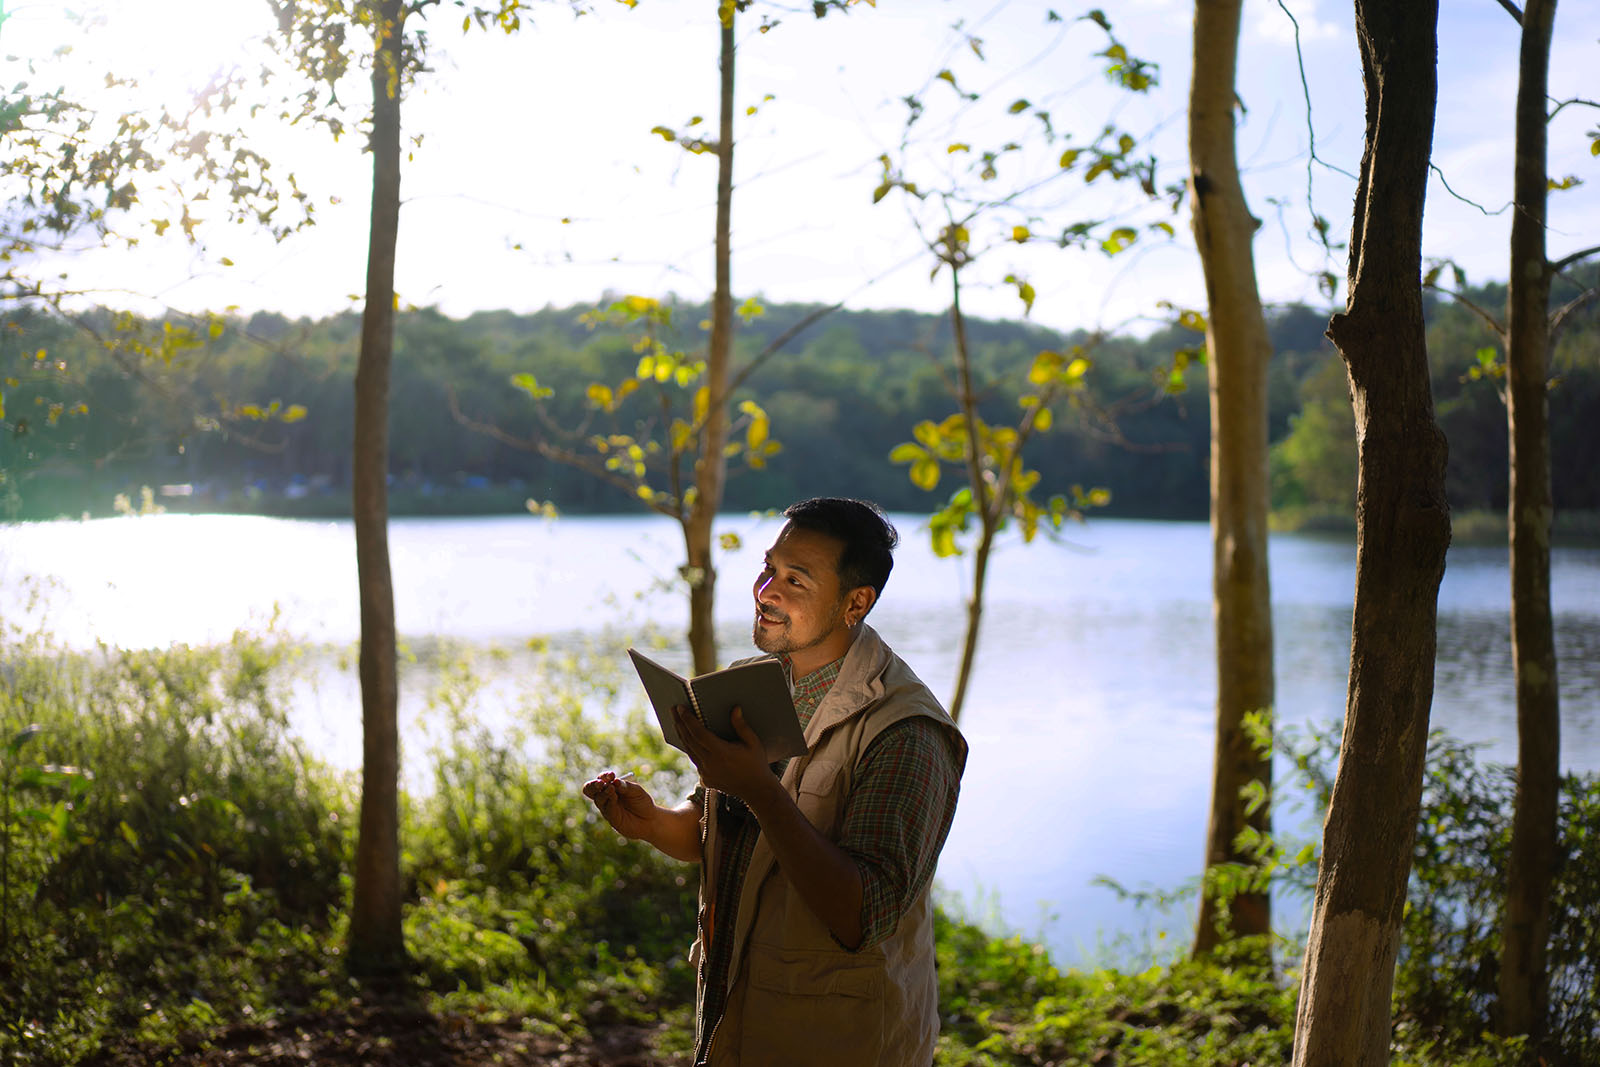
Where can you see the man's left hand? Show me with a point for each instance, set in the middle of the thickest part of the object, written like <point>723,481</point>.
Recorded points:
<point>735,767</point>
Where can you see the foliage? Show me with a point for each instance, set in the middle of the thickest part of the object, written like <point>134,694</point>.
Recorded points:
<point>517,878</point>
<point>174,844</point>
<point>1445,976</point>
<point>844,397</point>
<point>1005,1003</point>
<point>648,447</point>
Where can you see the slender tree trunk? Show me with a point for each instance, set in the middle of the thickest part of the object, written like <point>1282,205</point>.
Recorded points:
<point>711,468</point>
<point>1402,534</point>
<point>986,508</point>
<point>1524,979</point>
<point>376,944</point>
<point>1238,354</point>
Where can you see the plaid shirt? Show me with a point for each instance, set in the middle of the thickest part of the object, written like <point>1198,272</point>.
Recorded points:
<point>895,823</point>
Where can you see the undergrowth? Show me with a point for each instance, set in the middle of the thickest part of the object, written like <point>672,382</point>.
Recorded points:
<point>172,861</point>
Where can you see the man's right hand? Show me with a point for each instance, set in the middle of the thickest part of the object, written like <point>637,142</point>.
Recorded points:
<point>628,808</point>
<point>626,805</point>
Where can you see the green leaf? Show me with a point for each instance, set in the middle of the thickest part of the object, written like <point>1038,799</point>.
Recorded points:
<point>1018,106</point>
<point>925,473</point>
<point>1119,239</point>
<point>530,385</point>
<point>907,452</point>
<point>1045,367</point>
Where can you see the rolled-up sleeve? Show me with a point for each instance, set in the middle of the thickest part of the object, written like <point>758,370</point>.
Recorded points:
<point>897,818</point>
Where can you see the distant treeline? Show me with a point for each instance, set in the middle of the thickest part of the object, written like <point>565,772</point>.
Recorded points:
<point>107,404</point>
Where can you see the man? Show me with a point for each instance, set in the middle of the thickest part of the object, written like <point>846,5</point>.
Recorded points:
<point>815,939</point>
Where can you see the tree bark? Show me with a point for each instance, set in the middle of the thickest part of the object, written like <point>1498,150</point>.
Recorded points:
<point>1238,354</point>
<point>1403,532</point>
<point>712,466</point>
<point>990,498</point>
<point>1524,978</point>
<point>376,945</point>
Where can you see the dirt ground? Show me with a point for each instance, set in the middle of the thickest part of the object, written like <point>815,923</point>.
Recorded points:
<point>394,1037</point>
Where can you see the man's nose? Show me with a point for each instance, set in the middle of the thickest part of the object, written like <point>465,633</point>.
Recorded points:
<point>764,590</point>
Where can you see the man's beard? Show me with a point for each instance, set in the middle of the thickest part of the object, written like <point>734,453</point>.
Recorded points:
<point>782,640</point>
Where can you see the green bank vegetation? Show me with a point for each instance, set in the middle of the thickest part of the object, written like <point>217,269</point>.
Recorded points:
<point>174,863</point>
<point>88,421</point>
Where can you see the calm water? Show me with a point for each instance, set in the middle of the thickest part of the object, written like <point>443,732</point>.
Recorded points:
<point>1090,714</point>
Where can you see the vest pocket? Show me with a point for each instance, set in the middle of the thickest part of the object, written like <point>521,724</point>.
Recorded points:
<point>815,797</point>
<point>812,1009</point>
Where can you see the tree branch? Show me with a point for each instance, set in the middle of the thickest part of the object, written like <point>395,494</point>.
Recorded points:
<point>1494,323</point>
<point>1512,8</point>
<point>1564,262</point>
<point>544,448</point>
<point>1558,319</point>
<point>779,342</point>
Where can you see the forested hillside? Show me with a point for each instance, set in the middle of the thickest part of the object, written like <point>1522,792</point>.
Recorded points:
<point>108,405</point>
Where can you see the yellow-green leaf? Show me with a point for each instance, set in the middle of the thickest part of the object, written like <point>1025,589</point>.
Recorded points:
<point>906,452</point>
<point>294,413</point>
<point>1119,239</point>
<point>925,473</point>
<point>599,395</point>
<point>1020,234</point>
<point>1045,366</point>
<point>1044,420</point>
<point>959,146</point>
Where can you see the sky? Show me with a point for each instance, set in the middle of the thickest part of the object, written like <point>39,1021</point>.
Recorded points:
<point>534,178</point>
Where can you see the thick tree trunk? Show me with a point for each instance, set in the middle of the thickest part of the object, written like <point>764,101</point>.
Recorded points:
<point>711,469</point>
<point>376,945</point>
<point>1524,980</point>
<point>1403,532</point>
<point>1238,354</point>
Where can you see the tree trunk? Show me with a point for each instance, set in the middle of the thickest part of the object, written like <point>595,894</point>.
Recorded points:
<point>1238,353</point>
<point>1524,980</point>
<point>711,468</point>
<point>1402,534</point>
<point>376,946</point>
<point>989,498</point>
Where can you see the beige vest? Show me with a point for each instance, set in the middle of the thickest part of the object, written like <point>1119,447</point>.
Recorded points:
<point>798,999</point>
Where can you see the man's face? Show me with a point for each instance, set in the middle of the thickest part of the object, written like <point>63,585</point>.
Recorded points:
<point>799,604</point>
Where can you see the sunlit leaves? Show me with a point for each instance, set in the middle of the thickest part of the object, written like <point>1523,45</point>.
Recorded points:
<point>530,385</point>
<point>1119,240</point>
<point>1025,292</point>
<point>1487,365</point>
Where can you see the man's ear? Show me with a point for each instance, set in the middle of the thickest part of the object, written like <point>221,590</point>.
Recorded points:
<point>858,602</point>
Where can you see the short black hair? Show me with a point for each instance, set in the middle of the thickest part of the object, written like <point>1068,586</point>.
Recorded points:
<point>869,537</point>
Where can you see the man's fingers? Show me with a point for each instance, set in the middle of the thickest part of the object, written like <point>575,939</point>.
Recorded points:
<point>742,728</point>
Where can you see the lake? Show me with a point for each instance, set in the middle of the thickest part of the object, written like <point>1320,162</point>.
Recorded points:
<point>1091,708</point>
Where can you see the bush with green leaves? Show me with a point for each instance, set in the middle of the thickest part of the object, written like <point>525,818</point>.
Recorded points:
<point>168,843</point>
<point>504,849</point>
